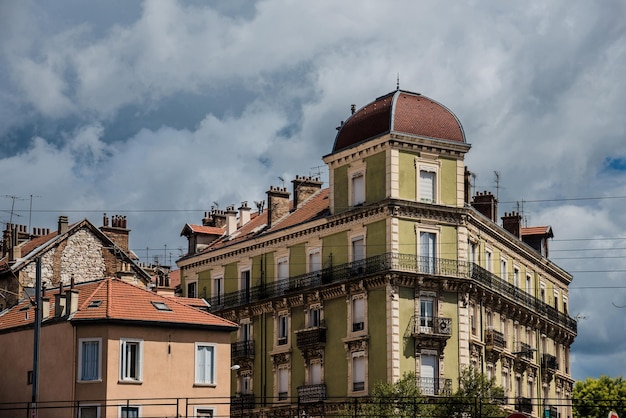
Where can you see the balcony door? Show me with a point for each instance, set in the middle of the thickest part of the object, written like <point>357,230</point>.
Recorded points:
<point>427,252</point>
<point>428,373</point>
<point>427,315</point>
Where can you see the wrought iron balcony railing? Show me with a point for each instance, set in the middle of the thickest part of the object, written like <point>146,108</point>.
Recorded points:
<point>524,405</point>
<point>548,361</point>
<point>311,337</point>
<point>242,349</point>
<point>241,402</point>
<point>390,262</point>
<point>494,339</point>
<point>311,393</point>
<point>434,386</point>
<point>432,325</point>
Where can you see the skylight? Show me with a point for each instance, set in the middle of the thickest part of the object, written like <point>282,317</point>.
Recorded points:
<point>161,306</point>
<point>94,304</point>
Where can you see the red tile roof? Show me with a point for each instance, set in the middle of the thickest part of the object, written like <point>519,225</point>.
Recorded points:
<point>402,112</point>
<point>537,230</point>
<point>120,301</point>
<point>314,207</point>
<point>209,230</point>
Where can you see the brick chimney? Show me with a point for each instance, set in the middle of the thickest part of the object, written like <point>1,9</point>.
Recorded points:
<point>231,219</point>
<point>512,222</point>
<point>487,204</point>
<point>117,232</point>
<point>303,188</point>
<point>59,302</point>
<point>244,214</point>
<point>219,218</point>
<point>277,204</point>
<point>62,225</point>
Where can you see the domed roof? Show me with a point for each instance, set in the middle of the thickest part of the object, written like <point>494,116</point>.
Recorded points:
<point>402,112</point>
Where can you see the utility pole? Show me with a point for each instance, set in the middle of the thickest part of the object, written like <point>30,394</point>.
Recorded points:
<point>36,342</point>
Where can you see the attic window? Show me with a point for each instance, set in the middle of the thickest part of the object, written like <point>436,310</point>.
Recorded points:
<point>161,306</point>
<point>94,304</point>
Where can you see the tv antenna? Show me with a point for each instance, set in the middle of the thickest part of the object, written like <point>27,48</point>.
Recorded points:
<point>282,180</point>
<point>13,198</point>
<point>497,182</point>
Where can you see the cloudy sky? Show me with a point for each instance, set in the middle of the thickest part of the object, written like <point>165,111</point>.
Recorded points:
<point>156,110</point>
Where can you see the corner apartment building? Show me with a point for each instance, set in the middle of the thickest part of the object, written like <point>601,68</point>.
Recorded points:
<point>393,268</point>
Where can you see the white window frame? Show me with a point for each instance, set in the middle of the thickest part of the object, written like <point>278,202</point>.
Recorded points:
<point>201,409</point>
<point>124,365</point>
<point>138,407</point>
<point>427,263</point>
<point>81,342</point>
<point>529,284</point>
<point>89,405</point>
<point>504,267</point>
<point>314,314</point>
<point>357,170</point>
<point>283,325</point>
<point>315,364</point>
<point>212,370</point>
<point>427,167</point>
<point>516,274</point>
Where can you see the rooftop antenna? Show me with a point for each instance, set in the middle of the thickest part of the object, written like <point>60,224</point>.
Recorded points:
<point>13,198</point>
<point>497,181</point>
<point>520,210</point>
<point>259,205</point>
<point>215,206</point>
<point>282,179</point>
<point>398,81</point>
<point>30,210</point>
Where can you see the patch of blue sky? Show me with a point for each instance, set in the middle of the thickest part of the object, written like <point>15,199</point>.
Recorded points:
<point>615,163</point>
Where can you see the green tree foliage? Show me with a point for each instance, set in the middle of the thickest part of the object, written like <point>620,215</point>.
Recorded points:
<point>476,396</point>
<point>400,399</point>
<point>597,397</point>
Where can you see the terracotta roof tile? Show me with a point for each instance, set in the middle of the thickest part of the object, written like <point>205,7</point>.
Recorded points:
<point>113,299</point>
<point>403,112</point>
<point>537,230</point>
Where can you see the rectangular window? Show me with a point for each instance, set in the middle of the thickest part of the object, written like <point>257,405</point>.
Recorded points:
<point>503,270</point>
<point>358,249</point>
<point>315,261</point>
<point>488,261</point>
<point>358,373</point>
<point>358,189</point>
<point>218,289</point>
<point>204,412</point>
<point>427,186</point>
<point>427,252</point>
<point>315,373</point>
<point>528,284</point>
<point>543,293</point>
<point>426,315</point>
<point>191,290</point>
<point>89,359</point>
<point>129,411</point>
<point>245,284</point>
<point>89,411</point>
<point>130,359</point>
<point>516,277</point>
<point>358,314</point>
<point>283,329</point>
<point>315,317</point>
<point>245,385</point>
<point>245,331</point>
<point>205,364</point>
<point>282,269</point>
<point>283,384</point>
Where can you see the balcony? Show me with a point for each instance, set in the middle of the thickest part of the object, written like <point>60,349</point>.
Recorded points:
<point>241,402</point>
<point>523,351</point>
<point>432,386</point>
<point>435,326</point>
<point>242,349</point>
<point>343,273</point>
<point>494,340</point>
<point>548,361</point>
<point>311,338</point>
<point>311,393</point>
<point>524,405</point>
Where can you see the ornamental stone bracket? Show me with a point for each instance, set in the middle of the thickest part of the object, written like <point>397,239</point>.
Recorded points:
<point>353,345</point>
<point>279,359</point>
<point>246,366</point>
<point>313,353</point>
